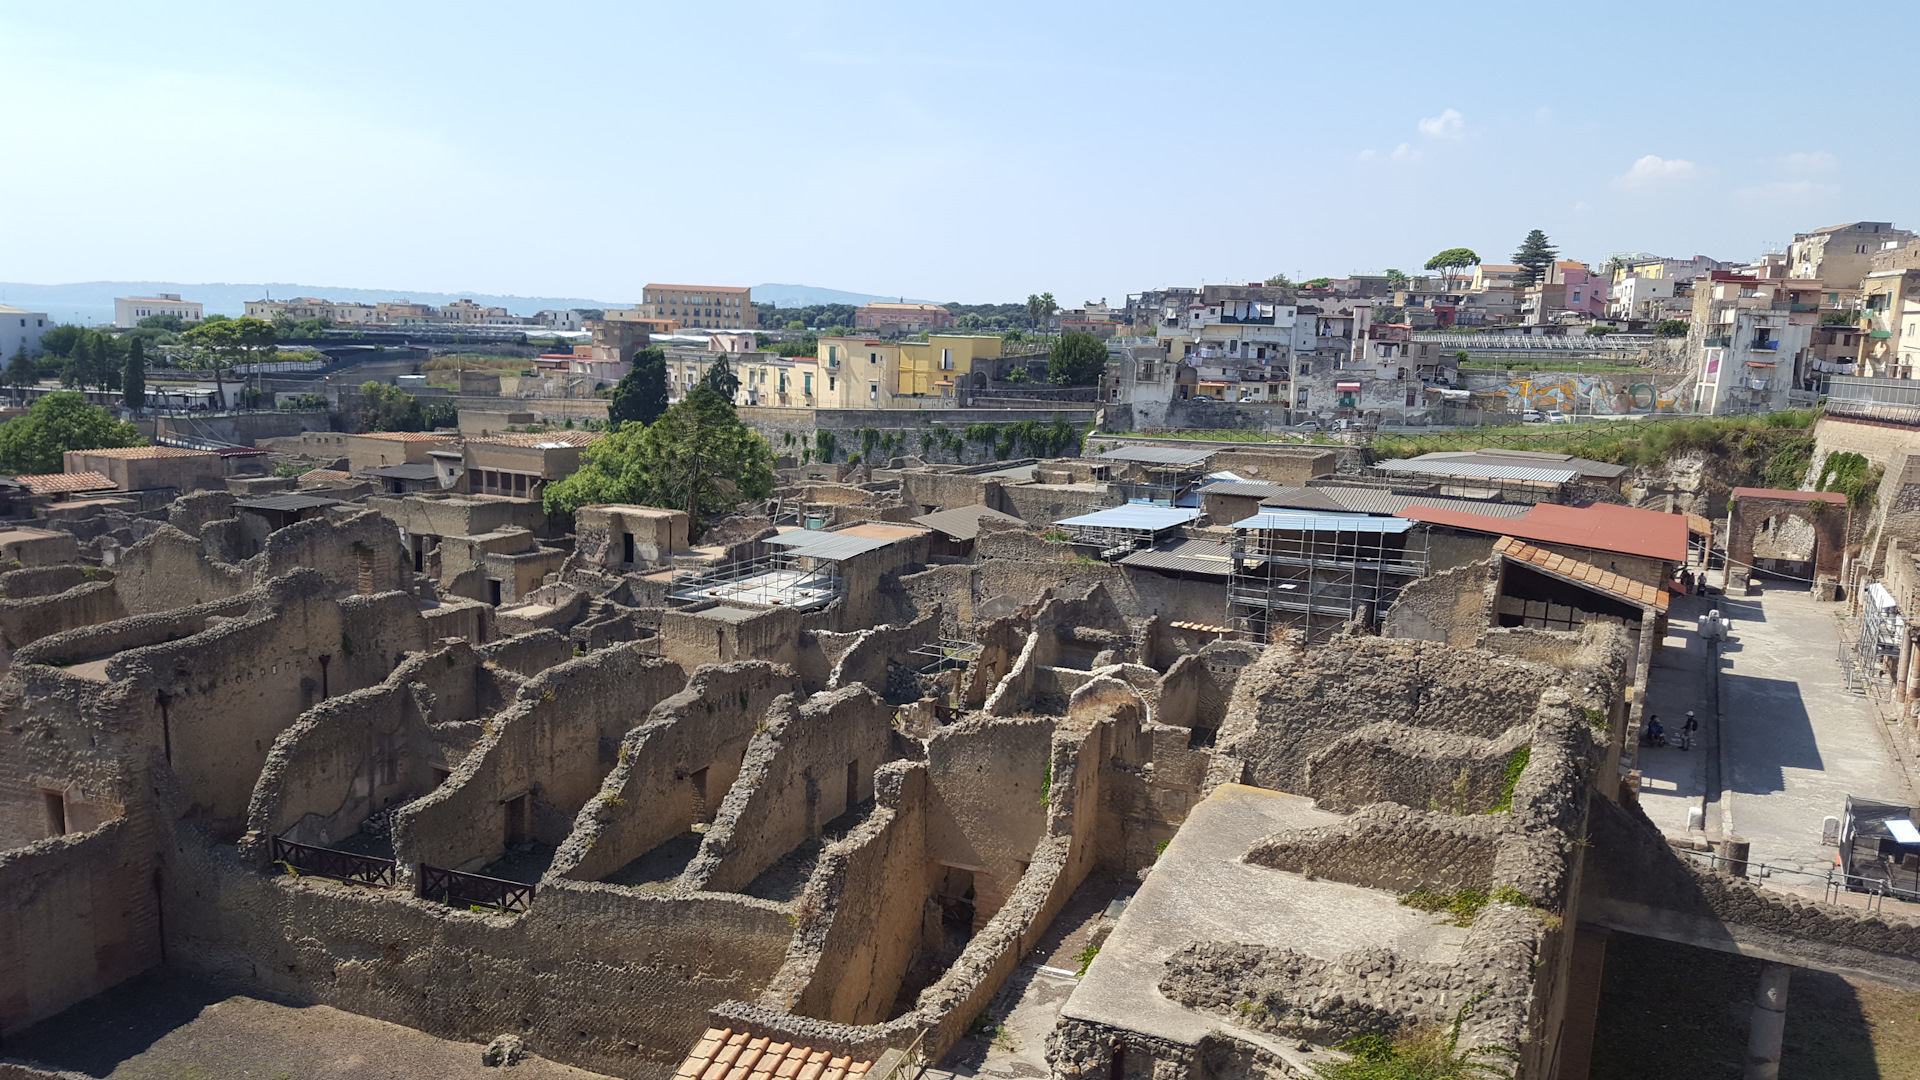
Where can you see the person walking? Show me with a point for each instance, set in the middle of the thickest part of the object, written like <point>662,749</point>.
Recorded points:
<point>1687,731</point>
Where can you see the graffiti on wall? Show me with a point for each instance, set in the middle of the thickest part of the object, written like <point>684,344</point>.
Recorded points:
<point>1617,394</point>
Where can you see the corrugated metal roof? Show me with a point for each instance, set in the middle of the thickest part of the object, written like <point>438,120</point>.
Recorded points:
<point>1158,455</point>
<point>1189,556</point>
<point>286,502</point>
<point>1361,500</point>
<point>1299,498</point>
<point>412,470</point>
<point>1248,489</point>
<point>817,544</point>
<point>1134,516</point>
<point>963,522</point>
<point>1302,521</point>
<point>1538,458</point>
<point>1535,473</point>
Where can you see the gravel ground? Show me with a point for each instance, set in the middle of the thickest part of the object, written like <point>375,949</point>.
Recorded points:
<point>164,1027</point>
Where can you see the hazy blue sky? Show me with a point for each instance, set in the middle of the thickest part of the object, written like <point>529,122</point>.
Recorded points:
<point>973,152</point>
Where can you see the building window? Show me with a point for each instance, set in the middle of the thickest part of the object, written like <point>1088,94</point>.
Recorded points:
<point>873,391</point>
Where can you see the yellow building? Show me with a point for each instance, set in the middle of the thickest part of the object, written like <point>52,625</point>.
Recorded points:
<point>858,372</point>
<point>936,366</point>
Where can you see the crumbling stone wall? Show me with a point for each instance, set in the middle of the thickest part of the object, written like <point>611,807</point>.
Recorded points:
<point>813,762</point>
<point>698,736</point>
<point>873,655</point>
<point>1387,762</point>
<point>81,916</point>
<point>546,747</point>
<point>529,654</point>
<point>860,920</point>
<point>1453,606</point>
<point>990,785</point>
<point>356,754</point>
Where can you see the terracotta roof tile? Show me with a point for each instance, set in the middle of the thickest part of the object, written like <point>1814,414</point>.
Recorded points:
<point>1585,574</point>
<point>404,436</point>
<point>726,1054</point>
<point>536,438</point>
<point>136,453</point>
<point>62,483</point>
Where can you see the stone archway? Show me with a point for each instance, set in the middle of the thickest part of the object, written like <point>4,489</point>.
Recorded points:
<point>1752,510</point>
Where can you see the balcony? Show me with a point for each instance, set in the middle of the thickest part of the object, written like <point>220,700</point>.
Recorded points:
<point>1720,342</point>
<point>1764,345</point>
<point>1803,308</point>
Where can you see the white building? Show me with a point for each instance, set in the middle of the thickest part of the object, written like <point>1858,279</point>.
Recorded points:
<point>562,319</point>
<point>129,310</point>
<point>1633,297</point>
<point>21,329</point>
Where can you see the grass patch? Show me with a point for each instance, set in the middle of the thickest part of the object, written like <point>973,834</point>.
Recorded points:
<point>1428,1052</point>
<point>1753,440</point>
<point>1236,435</point>
<point>1516,764</point>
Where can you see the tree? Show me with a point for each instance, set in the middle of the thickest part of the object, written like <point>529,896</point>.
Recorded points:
<point>163,322</point>
<point>389,408</point>
<point>59,422</point>
<point>79,361</point>
<point>1280,281</point>
<point>641,395</point>
<point>59,340</point>
<point>22,372</point>
<point>220,342</point>
<point>1534,259</point>
<point>1452,259</point>
<point>698,457</point>
<point>1670,328</point>
<point>1076,359</point>
<point>721,380</point>
<point>1396,280</point>
<point>133,382</point>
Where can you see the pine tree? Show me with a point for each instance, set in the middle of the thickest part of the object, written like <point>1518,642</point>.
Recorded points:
<point>133,383</point>
<point>1534,258</point>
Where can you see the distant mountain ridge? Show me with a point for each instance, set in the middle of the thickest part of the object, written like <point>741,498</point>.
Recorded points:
<point>789,296</point>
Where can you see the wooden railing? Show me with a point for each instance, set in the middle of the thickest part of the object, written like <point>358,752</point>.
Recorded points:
<point>453,887</point>
<point>338,865</point>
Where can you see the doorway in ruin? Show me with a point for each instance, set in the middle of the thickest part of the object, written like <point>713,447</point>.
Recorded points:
<point>626,555</point>
<point>701,811</point>
<point>1784,546</point>
<point>516,821</point>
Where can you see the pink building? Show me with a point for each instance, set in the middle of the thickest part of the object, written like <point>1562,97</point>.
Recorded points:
<point>1586,290</point>
<point>905,318</point>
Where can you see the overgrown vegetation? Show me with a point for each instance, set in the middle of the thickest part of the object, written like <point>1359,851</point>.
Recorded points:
<point>1465,905</point>
<point>1516,764</point>
<point>1850,475</point>
<point>1751,441</point>
<point>58,422</point>
<point>1429,1052</point>
<point>1085,956</point>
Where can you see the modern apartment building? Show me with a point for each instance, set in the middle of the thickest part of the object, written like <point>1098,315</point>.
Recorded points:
<point>21,330</point>
<point>701,307</point>
<point>901,318</point>
<point>1842,255</point>
<point>129,310</point>
<point>312,307</point>
<point>1751,340</point>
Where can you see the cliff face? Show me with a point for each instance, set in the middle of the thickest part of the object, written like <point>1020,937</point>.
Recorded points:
<point>1696,481</point>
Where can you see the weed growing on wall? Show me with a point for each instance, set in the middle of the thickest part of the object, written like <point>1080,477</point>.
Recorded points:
<point>1516,765</point>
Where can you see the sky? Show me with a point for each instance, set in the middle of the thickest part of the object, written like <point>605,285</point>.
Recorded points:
<point>976,152</point>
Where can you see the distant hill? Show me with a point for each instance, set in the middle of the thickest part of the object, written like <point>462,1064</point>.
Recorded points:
<point>791,296</point>
<point>90,303</point>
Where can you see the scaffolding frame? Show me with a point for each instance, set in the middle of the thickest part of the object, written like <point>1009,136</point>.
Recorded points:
<point>778,579</point>
<point>1317,580</point>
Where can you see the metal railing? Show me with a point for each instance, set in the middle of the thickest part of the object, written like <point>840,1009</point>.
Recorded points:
<point>453,887</point>
<point>334,864</point>
<point>1836,883</point>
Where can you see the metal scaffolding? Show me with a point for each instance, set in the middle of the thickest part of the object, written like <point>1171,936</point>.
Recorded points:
<point>1315,574</point>
<point>780,579</point>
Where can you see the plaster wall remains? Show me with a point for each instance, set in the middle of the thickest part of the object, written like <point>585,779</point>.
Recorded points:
<point>1453,606</point>
<point>615,535</point>
<point>547,749</point>
<point>989,780</point>
<point>674,769</point>
<point>813,763</point>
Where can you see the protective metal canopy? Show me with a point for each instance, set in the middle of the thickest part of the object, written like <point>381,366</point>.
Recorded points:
<point>1482,470</point>
<point>1289,521</point>
<point>1158,455</point>
<point>815,544</point>
<point>1139,516</point>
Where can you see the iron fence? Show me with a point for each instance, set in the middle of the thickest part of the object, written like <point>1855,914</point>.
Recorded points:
<point>453,887</point>
<point>331,863</point>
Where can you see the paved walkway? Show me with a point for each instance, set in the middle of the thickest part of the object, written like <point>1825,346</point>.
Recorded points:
<point>1797,741</point>
<point>1674,781</point>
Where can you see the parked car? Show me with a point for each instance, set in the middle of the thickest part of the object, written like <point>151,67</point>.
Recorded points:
<point>1532,416</point>
<point>1311,425</point>
<point>1557,417</point>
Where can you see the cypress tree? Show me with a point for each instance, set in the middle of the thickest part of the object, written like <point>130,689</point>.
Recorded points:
<point>641,396</point>
<point>133,384</point>
<point>1534,258</point>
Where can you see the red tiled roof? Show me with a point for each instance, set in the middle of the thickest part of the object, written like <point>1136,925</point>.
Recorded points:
<point>138,453</point>
<point>1583,574</point>
<point>62,483</point>
<point>1624,530</point>
<point>726,1054</point>
<point>404,436</point>
<point>535,438</point>
<point>1789,496</point>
